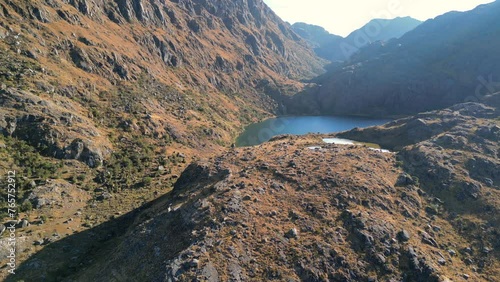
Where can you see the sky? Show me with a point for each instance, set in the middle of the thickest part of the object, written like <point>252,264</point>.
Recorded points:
<point>341,17</point>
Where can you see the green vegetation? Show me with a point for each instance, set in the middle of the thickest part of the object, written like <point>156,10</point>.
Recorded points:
<point>26,206</point>
<point>29,166</point>
<point>127,167</point>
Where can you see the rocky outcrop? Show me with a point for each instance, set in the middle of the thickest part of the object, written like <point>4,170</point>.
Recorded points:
<point>278,41</point>
<point>96,64</point>
<point>41,128</point>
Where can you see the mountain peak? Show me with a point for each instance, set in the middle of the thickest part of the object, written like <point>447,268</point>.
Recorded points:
<point>336,48</point>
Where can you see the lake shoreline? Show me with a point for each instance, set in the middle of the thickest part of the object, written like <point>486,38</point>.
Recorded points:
<point>263,131</point>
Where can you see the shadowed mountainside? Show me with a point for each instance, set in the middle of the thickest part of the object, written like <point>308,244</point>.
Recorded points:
<point>336,48</point>
<point>444,61</point>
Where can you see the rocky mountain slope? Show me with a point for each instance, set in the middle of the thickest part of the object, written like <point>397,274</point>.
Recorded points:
<point>298,209</point>
<point>336,48</point>
<point>444,61</point>
<point>141,64</point>
<point>325,44</point>
<point>104,103</point>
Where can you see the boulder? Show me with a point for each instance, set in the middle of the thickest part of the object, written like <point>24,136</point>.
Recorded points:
<point>403,236</point>
<point>292,234</point>
<point>83,151</point>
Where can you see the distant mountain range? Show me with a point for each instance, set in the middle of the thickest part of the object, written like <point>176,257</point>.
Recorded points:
<point>338,48</point>
<point>444,61</point>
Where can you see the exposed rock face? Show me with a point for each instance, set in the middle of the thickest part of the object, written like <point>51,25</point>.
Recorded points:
<point>205,18</point>
<point>442,62</point>
<point>465,134</point>
<point>79,150</point>
<point>43,124</point>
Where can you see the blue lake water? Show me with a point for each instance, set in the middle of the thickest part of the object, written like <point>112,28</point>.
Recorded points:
<point>261,132</point>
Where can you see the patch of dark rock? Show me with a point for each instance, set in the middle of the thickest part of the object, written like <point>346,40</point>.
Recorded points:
<point>403,236</point>
<point>405,180</point>
<point>292,233</point>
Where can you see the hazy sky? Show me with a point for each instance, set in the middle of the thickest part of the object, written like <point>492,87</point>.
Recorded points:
<point>343,16</point>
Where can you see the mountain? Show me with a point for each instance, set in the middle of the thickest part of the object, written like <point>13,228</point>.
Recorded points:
<point>187,72</point>
<point>325,45</point>
<point>337,48</point>
<point>298,209</point>
<point>95,65</point>
<point>384,29</point>
<point>444,61</point>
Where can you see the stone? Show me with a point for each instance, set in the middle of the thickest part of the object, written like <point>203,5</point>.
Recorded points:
<point>194,25</point>
<point>292,234</point>
<point>24,223</point>
<point>468,250</point>
<point>403,236</point>
<point>489,182</point>
<point>82,151</point>
<point>427,239</point>
<point>380,259</point>
<point>81,59</point>
<point>405,180</point>
<point>431,210</point>
<point>104,196</point>
<point>210,273</point>
<point>38,242</point>
<point>194,263</point>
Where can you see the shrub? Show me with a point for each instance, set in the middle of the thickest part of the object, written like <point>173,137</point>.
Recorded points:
<point>26,206</point>
<point>147,181</point>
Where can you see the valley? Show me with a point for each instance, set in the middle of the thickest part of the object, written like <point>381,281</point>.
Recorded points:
<point>186,140</point>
